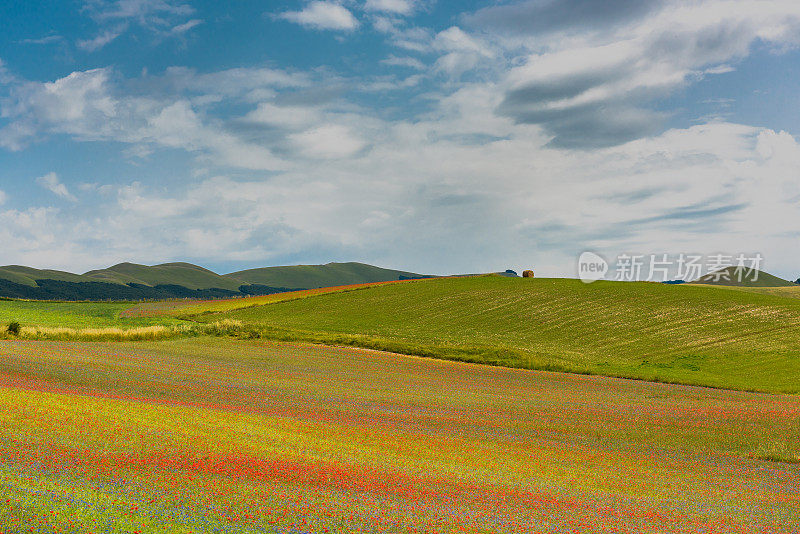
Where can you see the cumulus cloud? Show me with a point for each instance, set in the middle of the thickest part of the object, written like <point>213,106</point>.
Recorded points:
<point>328,141</point>
<point>323,16</point>
<point>85,105</point>
<point>399,7</point>
<point>290,117</point>
<point>485,204</point>
<point>401,35</point>
<point>179,126</point>
<point>461,52</point>
<point>78,104</point>
<point>593,88</point>
<point>51,182</point>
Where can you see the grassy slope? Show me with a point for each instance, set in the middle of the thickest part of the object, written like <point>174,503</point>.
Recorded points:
<point>186,308</point>
<point>28,275</point>
<point>792,291</point>
<point>688,334</point>
<point>742,277</point>
<point>314,276</point>
<point>182,274</point>
<point>195,277</point>
<point>74,314</point>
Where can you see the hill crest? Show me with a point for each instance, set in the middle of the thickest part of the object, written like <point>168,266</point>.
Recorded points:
<point>738,276</point>
<point>133,281</point>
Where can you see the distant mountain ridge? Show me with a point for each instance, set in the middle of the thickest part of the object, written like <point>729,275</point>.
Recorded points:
<point>131,281</point>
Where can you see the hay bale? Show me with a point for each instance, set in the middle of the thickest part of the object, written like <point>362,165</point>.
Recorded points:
<point>527,274</point>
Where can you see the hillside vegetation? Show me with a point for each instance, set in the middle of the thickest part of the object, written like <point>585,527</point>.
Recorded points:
<point>130,281</point>
<point>689,334</point>
<point>74,315</point>
<point>742,277</point>
<point>182,274</point>
<point>316,276</point>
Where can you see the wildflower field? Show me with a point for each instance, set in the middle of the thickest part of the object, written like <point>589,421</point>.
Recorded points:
<point>223,435</point>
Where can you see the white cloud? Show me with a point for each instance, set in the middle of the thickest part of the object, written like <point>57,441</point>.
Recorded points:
<point>410,62</point>
<point>284,116</point>
<point>78,104</point>
<point>399,7</point>
<point>186,26</point>
<point>234,82</point>
<point>44,40</point>
<point>455,39</point>
<point>323,16</point>
<point>329,141</point>
<point>51,182</point>
<point>143,11</point>
<point>592,88</point>
<point>160,17</point>
<point>438,195</point>
<point>410,38</point>
<point>90,45</point>
<point>84,106</point>
<point>461,51</point>
<point>179,126</point>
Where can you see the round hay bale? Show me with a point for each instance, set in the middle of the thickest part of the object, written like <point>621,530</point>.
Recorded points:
<point>527,274</point>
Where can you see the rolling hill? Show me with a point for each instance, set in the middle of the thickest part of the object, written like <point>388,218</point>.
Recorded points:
<point>130,281</point>
<point>691,334</point>
<point>742,277</point>
<point>181,274</point>
<point>316,276</point>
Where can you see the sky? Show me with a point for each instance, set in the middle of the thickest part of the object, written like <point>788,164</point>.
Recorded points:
<point>431,136</point>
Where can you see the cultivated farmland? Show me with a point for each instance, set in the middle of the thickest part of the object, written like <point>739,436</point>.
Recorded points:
<point>687,334</point>
<point>219,435</point>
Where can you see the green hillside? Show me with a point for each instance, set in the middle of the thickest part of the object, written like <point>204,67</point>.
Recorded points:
<point>182,274</point>
<point>314,276</point>
<point>131,281</point>
<point>27,276</point>
<point>688,333</point>
<point>742,277</point>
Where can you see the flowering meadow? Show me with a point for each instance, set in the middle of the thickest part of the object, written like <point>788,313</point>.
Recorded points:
<point>221,435</point>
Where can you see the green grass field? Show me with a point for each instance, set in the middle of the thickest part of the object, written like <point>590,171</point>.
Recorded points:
<point>687,334</point>
<point>75,314</point>
<point>222,435</point>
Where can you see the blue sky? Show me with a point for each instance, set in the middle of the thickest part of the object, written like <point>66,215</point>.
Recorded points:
<point>419,134</point>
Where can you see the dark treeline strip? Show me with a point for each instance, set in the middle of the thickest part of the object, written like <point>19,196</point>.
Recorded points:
<point>74,291</point>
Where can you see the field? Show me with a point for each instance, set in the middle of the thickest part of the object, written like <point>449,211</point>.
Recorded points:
<point>712,336</point>
<point>221,427</point>
<point>188,308</point>
<point>75,314</point>
<point>223,435</point>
